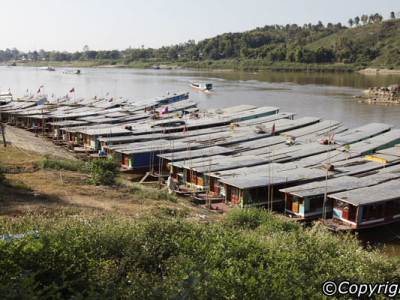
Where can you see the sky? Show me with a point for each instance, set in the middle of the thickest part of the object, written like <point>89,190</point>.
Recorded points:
<point>119,24</point>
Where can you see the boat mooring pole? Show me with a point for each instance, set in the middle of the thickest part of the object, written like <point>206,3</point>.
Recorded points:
<point>3,133</point>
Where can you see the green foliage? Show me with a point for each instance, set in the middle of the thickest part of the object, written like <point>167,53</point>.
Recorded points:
<point>368,44</point>
<point>2,171</point>
<point>142,192</point>
<point>103,171</point>
<point>62,164</point>
<point>16,185</point>
<point>252,218</point>
<point>105,256</point>
<point>12,183</point>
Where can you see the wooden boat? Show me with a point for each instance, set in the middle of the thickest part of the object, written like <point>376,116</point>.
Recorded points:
<point>366,207</point>
<point>75,72</point>
<point>307,201</point>
<point>48,68</point>
<point>201,86</point>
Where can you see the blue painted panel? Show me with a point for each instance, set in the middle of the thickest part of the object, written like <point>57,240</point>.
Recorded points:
<point>144,159</point>
<point>306,204</point>
<point>337,213</point>
<point>360,213</point>
<point>301,210</point>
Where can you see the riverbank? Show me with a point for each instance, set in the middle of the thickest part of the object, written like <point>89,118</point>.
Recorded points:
<point>30,188</point>
<point>372,71</point>
<point>226,65</point>
<point>125,240</point>
<point>115,242</point>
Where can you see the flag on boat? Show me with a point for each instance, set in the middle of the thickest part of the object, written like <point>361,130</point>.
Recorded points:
<point>273,128</point>
<point>107,93</point>
<point>184,129</point>
<point>72,90</point>
<point>111,100</point>
<point>332,136</point>
<point>165,129</point>
<point>164,110</point>
<point>38,91</point>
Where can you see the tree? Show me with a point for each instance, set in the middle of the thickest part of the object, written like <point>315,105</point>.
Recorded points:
<point>103,171</point>
<point>357,20</point>
<point>351,22</point>
<point>370,19</point>
<point>377,17</point>
<point>35,55</point>
<point>364,19</point>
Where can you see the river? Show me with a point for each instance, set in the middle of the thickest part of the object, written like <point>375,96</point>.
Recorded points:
<point>329,96</point>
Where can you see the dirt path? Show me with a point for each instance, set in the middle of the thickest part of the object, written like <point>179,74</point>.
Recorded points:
<point>26,140</point>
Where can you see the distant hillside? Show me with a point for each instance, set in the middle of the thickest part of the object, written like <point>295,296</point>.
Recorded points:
<point>309,47</point>
<point>375,44</point>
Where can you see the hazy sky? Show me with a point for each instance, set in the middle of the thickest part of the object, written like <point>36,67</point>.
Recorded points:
<point>120,24</point>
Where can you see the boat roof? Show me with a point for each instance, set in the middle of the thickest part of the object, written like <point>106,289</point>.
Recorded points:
<point>323,126</point>
<point>250,170</point>
<point>361,133</point>
<point>339,184</point>
<point>202,152</point>
<point>265,178</point>
<point>370,195</point>
<point>68,123</point>
<point>230,110</point>
<point>376,142</point>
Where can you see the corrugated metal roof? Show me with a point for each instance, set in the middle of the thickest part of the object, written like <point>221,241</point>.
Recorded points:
<point>370,195</point>
<point>269,177</point>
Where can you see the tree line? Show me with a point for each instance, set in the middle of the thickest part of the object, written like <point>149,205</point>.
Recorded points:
<point>273,43</point>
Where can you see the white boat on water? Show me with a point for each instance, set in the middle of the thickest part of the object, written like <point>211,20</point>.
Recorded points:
<point>48,68</point>
<point>201,86</point>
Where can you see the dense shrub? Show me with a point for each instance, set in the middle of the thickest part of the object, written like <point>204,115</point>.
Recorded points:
<point>2,171</point>
<point>150,193</point>
<point>103,171</point>
<point>63,164</point>
<point>251,218</point>
<point>105,256</point>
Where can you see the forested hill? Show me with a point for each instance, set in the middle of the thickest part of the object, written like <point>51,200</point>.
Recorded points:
<point>375,44</point>
<point>331,47</point>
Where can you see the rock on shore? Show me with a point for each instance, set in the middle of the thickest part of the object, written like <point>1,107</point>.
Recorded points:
<point>390,94</point>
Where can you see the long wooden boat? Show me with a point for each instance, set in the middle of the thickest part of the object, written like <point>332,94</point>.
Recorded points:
<point>366,207</point>
<point>307,201</point>
<point>200,86</point>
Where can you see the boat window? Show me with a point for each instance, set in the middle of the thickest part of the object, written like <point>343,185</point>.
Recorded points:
<point>339,204</point>
<point>235,192</point>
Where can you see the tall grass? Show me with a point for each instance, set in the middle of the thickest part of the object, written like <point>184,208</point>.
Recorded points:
<point>50,163</point>
<point>108,256</point>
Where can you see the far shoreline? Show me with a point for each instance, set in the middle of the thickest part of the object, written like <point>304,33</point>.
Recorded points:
<point>366,71</point>
<point>372,71</point>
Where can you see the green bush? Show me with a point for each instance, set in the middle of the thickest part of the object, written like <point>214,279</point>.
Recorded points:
<point>103,171</point>
<point>62,164</point>
<point>252,218</point>
<point>151,193</point>
<point>111,257</point>
<point>2,171</point>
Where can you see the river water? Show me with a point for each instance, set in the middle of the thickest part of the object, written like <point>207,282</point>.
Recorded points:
<point>329,96</point>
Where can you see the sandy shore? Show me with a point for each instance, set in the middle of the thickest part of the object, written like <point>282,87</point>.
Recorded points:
<point>370,71</point>
<point>26,140</point>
